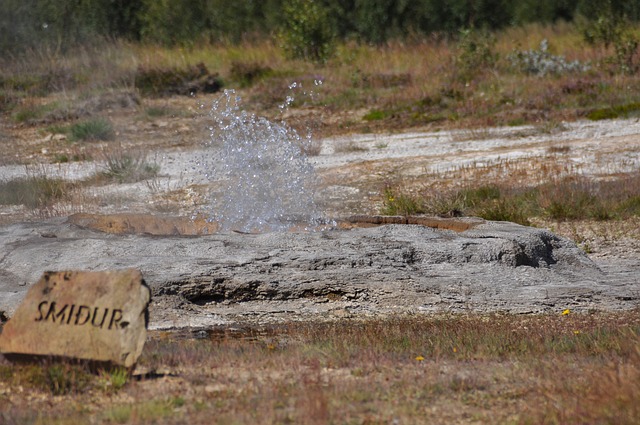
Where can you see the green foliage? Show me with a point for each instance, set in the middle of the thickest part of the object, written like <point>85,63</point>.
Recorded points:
<point>56,378</point>
<point>113,380</point>
<point>398,203</point>
<point>611,28</point>
<point>59,25</point>
<point>306,31</point>
<point>95,129</point>
<point>619,111</point>
<point>172,22</point>
<point>375,115</point>
<point>476,53</point>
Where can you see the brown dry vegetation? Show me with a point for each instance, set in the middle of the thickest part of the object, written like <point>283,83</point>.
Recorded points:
<point>561,368</point>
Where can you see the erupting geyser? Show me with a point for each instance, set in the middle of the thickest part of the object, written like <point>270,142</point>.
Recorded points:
<point>262,178</point>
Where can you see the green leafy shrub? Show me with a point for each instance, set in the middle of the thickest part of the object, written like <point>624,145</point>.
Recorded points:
<point>306,31</point>
<point>476,53</point>
<point>611,28</point>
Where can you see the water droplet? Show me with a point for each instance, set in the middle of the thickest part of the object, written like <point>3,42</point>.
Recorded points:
<point>261,180</point>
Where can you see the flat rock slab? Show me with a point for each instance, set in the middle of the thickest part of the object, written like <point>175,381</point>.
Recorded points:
<point>386,269</point>
<point>100,317</point>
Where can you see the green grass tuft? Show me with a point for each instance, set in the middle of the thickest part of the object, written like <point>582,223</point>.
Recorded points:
<point>34,191</point>
<point>96,129</point>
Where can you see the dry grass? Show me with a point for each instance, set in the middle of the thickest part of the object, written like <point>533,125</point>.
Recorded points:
<point>561,368</point>
<point>415,83</point>
<point>559,199</point>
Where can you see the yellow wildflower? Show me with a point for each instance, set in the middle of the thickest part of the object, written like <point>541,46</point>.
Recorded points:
<point>576,332</point>
<point>566,312</point>
<point>419,358</point>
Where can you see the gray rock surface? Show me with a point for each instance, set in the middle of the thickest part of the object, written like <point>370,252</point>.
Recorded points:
<point>231,278</point>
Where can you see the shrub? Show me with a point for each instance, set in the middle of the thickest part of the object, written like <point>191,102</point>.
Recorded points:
<point>612,29</point>
<point>476,52</point>
<point>306,31</point>
<point>541,62</point>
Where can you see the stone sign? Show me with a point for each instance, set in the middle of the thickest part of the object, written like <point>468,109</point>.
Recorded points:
<point>96,316</point>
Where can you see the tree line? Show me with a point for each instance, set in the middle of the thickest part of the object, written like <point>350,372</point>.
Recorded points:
<point>26,24</point>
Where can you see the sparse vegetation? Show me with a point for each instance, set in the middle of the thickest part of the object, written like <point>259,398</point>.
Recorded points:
<point>35,191</point>
<point>122,166</point>
<point>489,366</point>
<point>571,198</point>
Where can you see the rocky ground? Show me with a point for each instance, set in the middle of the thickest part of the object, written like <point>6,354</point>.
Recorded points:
<point>447,273</point>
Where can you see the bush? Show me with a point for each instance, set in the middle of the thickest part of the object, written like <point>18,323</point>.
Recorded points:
<point>541,62</point>
<point>476,52</point>
<point>306,31</point>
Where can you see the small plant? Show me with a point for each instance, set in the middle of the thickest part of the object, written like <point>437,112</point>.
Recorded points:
<point>157,111</point>
<point>96,129</point>
<point>127,167</point>
<point>114,379</point>
<point>375,115</point>
<point>30,113</point>
<point>542,63</point>
<point>395,203</point>
<point>56,378</point>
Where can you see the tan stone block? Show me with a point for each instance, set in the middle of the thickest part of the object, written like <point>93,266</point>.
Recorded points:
<point>96,316</point>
